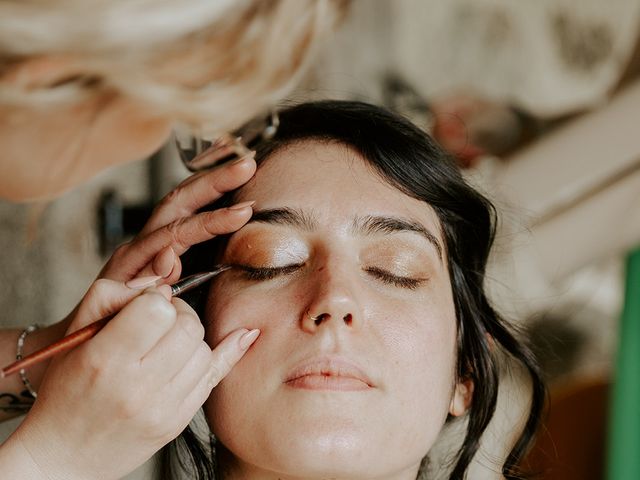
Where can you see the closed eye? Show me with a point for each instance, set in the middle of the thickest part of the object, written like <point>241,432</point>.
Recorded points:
<point>395,280</point>
<point>266,273</point>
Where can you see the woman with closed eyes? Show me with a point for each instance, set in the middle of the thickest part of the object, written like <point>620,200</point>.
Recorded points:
<point>363,268</point>
<point>87,85</point>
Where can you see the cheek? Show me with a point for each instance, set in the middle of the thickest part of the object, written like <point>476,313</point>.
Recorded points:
<point>113,142</point>
<point>222,316</point>
<point>421,329</point>
<point>229,309</point>
<point>74,144</point>
<point>421,343</point>
<point>424,352</point>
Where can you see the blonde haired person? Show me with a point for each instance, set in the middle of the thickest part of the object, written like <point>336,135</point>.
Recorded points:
<point>85,85</point>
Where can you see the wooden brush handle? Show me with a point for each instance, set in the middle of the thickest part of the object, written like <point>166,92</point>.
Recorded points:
<point>67,343</point>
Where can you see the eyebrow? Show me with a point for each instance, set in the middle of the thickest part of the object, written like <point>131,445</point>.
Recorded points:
<point>383,224</point>
<point>368,225</point>
<point>285,216</point>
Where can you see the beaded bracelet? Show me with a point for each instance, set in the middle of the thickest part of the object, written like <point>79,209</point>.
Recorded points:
<point>23,375</point>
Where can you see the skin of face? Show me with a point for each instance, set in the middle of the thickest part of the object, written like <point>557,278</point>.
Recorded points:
<point>364,391</point>
<point>49,150</point>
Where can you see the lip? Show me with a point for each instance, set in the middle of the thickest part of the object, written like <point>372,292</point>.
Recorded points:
<point>329,373</point>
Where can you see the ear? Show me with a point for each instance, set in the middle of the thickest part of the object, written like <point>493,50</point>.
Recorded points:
<point>462,398</point>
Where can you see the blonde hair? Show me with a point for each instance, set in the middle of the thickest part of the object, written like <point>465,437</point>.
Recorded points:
<point>211,64</point>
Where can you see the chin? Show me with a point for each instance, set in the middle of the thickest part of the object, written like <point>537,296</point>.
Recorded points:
<point>365,464</point>
<point>42,182</point>
<point>323,463</point>
<point>339,453</point>
<point>31,191</point>
<point>328,468</point>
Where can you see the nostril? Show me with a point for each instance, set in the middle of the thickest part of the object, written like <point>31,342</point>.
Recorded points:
<point>320,318</point>
<point>323,317</point>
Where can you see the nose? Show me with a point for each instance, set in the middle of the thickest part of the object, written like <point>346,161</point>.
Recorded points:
<point>334,303</point>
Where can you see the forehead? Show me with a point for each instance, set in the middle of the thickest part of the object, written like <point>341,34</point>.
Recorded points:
<point>333,182</point>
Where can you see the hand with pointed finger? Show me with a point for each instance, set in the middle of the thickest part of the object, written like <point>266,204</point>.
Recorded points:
<point>136,385</point>
<point>152,258</point>
<point>175,224</point>
<point>125,393</point>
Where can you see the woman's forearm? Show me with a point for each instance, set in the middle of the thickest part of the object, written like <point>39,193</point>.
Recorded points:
<point>14,397</point>
<point>17,462</point>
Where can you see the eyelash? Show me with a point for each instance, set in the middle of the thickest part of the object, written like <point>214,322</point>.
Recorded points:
<point>395,280</point>
<point>268,273</point>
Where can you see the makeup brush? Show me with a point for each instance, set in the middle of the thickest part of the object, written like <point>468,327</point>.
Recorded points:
<point>80,336</point>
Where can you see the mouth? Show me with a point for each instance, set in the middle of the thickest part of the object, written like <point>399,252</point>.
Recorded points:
<point>328,373</point>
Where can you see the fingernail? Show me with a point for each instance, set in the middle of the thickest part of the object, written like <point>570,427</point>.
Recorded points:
<point>142,282</point>
<point>248,338</point>
<point>240,206</point>
<point>243,158</point>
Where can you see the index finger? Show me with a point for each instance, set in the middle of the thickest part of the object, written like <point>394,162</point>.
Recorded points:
<point>185,232</point>
<point>200,190</point>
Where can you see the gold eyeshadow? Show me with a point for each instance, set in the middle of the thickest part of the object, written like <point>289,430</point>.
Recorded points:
<point>402,258</point>
<point>257,246</point>
<point>262,248</point>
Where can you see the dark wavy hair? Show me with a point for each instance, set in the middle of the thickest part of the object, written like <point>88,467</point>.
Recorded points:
<point>407,158</point>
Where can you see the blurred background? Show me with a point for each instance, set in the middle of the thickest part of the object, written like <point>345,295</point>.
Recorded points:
<point>538,102</point>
